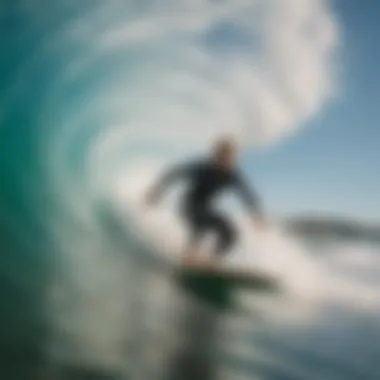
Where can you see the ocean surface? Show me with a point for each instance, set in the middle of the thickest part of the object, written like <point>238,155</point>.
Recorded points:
<point>83,295</point>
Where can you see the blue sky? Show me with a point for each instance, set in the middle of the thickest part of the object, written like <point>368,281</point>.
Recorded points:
<point>332,165</point>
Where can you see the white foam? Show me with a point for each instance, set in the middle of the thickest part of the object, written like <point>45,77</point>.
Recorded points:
<point>346,274</point>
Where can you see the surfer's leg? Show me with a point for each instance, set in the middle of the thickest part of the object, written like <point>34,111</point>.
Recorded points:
<point>196,227</point>
<point>191,252</point>
<point>226,235</point>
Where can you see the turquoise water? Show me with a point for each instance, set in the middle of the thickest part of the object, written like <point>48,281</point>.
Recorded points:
<point>82,296</point>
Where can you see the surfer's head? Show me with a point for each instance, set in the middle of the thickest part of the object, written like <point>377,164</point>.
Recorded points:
<point>225,152</point>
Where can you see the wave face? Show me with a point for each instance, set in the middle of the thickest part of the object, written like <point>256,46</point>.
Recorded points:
<point>95,97</point>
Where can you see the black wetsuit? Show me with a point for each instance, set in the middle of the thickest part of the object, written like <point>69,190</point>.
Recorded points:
<point>206,180</point>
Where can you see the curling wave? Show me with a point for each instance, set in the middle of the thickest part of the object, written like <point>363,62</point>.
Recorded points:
<point>96,96</point>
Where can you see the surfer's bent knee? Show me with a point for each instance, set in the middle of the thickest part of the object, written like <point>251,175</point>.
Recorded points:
<point>226,239</point>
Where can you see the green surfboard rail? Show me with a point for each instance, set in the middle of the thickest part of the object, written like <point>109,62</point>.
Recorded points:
<point>217,288</point>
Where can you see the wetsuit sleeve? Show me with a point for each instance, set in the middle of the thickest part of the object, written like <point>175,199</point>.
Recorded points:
<point>249,196</point>
<point>172,175</point>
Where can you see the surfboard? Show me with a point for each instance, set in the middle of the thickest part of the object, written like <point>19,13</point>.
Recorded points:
<point>234,277</point>
<point>216,286</point>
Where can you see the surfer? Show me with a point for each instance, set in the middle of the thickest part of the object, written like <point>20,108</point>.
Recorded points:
<point>205,180</point>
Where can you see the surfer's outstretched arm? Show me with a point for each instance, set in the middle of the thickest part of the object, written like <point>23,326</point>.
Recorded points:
<point>168,178</point>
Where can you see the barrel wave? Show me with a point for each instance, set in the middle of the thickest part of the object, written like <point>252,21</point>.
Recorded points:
<point>95,97</point>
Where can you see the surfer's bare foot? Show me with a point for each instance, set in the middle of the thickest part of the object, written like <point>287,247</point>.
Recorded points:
<point>191,259</point>
<point>206,264</point>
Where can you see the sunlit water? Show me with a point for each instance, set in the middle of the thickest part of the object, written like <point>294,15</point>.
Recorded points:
<point>91,99</point>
